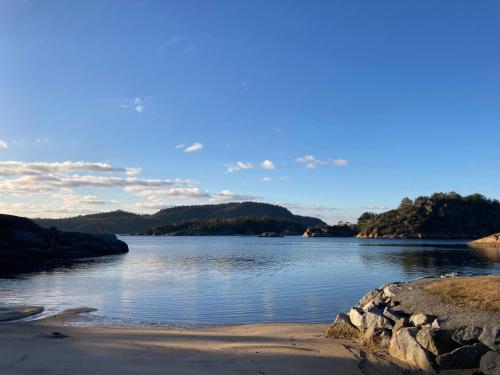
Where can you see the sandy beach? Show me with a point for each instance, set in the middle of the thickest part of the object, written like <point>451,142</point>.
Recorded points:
<point>32,348</point>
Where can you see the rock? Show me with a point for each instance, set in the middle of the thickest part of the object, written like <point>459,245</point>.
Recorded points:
<point>405,347</point>
<point>448,275</point>
<point>465,357</point>
<point>356,317</point>
<point>371,295</point>
<point>493,240</point>
<point>436,341</point>
<point>391,314</point>
<point>19,312</point>
<point>491,337</point>
<point>467,335</point>
<point>376,338</point>
<point>377,302</point>
<point>419,320</point>
<point>390,290</point>
<point>375,320</point>
<point>436,323</point>
<point>342,328</point>
<point>490,364</point>
<point>401,323</point>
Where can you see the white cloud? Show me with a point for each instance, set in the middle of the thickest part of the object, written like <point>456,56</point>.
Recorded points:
<point>3,144</point>
<point>267,164</point>
<point>23,168</point>
<point>180,146</point>
<point>53,189</point>
<point>284,178</point>
<point>239,166</point>
<point>139,108</point>
<point>229,196</point>
<point>137,104</point>
<point>311,162</point>
<point>194,147</point>
<point>266,179</point>
<point>341,162</point>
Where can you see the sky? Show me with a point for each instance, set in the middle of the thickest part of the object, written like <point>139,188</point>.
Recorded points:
<point>330,108</point>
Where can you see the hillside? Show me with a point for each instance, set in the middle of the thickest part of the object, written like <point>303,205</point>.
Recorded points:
<point>23,243</point>
<point>438,216</point>
<point>229,226</point>
<point>126,222</point>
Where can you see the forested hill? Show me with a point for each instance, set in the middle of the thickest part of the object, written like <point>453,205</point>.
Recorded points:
<point>442,215</point>
<point>126,222</point>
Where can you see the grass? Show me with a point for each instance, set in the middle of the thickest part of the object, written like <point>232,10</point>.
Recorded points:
<point>479,292</point>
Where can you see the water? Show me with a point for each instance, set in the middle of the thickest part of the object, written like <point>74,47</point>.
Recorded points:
<point>185,281</point>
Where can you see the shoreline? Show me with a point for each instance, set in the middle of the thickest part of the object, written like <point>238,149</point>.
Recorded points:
<point>47,346</point>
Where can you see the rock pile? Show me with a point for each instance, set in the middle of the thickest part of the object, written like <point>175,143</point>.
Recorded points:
<point>379,322</point>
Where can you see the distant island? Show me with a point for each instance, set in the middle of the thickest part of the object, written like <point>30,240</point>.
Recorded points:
<point>222,219</point>
<point>23,243</point>
<point>442,215</point>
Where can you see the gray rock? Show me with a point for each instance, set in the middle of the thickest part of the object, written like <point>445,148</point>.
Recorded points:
<point>490,364</point>
<point>356,317</point>
<point>376,338</point>
<point>405,347</point>
<point>377,303</point>
<point>436,341</point>
<point>391,314</point>
<point>375,320</point>
<point>401,323</point>
<point>390,290</point>
<point>491,337</point>
<point>468,356</point>
<point>342,328</point>
<point>466,335</point>
<point>368,297</point>
<point>418,320</point>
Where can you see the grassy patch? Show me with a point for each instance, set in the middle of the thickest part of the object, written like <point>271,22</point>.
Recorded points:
<point>479,292</point>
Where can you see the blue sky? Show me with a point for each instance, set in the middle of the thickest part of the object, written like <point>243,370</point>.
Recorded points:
<point>332,108</point>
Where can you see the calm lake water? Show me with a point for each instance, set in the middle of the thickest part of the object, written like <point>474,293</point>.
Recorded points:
<point>180,281</point>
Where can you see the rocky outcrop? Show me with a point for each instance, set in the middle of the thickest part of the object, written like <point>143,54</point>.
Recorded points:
<point>331,231</point>
<point>24,244</point>
<point>493,240</point>
<point>417,339</point>
<point>442,215</point>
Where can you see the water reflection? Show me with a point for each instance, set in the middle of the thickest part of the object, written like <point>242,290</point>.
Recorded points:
<point>220,280</point>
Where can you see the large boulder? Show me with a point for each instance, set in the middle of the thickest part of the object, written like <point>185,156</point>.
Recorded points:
<point>465,357</point>
<point>490,364</point>
<point>436,341</point>
<point>491,337</point>
<point>356,317</point>
<point>466,335</point>
<point>405,347</point>
<point>375,320</point>
<point>342,328</point>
